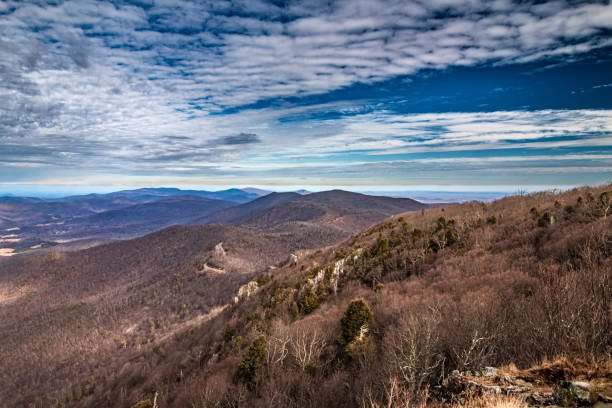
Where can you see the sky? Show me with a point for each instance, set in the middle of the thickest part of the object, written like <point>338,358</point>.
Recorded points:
<point>377,95</point>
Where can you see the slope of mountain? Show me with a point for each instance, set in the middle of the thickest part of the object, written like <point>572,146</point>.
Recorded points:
<point>124,222</point>
<point>463,287</point>
<point>60,312</point>
<point>240,213</point>
<point>144,218</point>
<point>32,224</point>
<point>20,211</point>
<point>346,211</point>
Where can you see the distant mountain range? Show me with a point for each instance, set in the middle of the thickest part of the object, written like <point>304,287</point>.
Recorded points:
<point>31,224</point>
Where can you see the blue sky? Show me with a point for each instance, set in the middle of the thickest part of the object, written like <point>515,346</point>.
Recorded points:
<point>367,95</point>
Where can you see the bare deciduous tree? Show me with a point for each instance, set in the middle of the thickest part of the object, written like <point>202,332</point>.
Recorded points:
<point>278,343</point>
<point>306,345</point>
<point>412,348</point>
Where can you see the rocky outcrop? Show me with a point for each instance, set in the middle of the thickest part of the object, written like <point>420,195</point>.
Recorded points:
<point>460,386</point>
<point>315,280</point>
<point>575,393</point>
<point>245,291</point>
<point>219,250</point>
<point>334,271</point>
<point>293,260</point>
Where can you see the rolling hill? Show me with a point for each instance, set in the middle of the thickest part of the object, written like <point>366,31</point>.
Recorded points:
<point>143,218</point>
<point>28,211</point>
<point>61,311</point>
<point>24,211</point>
<point>120,223</point>
<point>241,213</point>
<point>32,224</point>
<point>346,211</point>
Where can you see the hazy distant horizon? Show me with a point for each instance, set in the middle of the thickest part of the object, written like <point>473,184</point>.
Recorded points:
<point>424,193</point>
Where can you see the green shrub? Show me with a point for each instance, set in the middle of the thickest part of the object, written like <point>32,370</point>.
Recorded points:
<point>340,253</point>
<point>293,310</point>
<point>380,248</point>
<point>237,344</point>
<point>228,333</point>
<point>441,224</point>
<point>605,202</point>
<point>252,362</point>
<point>263,279</point>
<point>417,233</point>
<point>143,404</point>
<point>356,316</point>
<point>546,219</point>
<point>183,311</point>
<point>451,237</point>
<point>309,301</point>
<point>433,246</point>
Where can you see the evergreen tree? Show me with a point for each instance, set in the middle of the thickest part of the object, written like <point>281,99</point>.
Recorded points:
<point>254,359</point>
<point>357,315</point>
<point>309,301</point>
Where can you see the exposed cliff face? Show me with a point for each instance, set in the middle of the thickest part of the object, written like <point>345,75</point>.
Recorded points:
<point>245,291</point>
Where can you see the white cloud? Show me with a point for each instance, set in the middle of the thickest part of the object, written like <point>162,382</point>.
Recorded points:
<point>93,83</point>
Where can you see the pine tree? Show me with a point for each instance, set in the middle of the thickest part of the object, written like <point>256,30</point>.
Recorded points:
<point>254,359</point>
<point>357,316</point>
<point>309,301</point>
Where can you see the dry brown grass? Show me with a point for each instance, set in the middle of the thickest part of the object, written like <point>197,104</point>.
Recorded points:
<point>492,401</point>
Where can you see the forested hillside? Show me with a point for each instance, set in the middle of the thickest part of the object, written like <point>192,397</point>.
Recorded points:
<point>382,319</point>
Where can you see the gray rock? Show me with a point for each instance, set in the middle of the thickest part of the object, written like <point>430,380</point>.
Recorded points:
<point>489,372</point>
<point>539,399</point>
<point>492,389</point>
<point>575,393</point>
<point>293,260</point>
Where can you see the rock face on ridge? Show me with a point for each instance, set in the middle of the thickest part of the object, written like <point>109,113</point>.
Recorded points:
<point>536,390</point>
<point>246,290</point>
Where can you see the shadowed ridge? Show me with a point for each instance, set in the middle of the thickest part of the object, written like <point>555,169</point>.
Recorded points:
<point>240,213</point>
<point>348,199</point>
<point>344,210</point>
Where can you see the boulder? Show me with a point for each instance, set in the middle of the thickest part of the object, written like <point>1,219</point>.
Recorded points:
<point>489,372</point>
<point>293,260</point>
<point>574,394</point>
